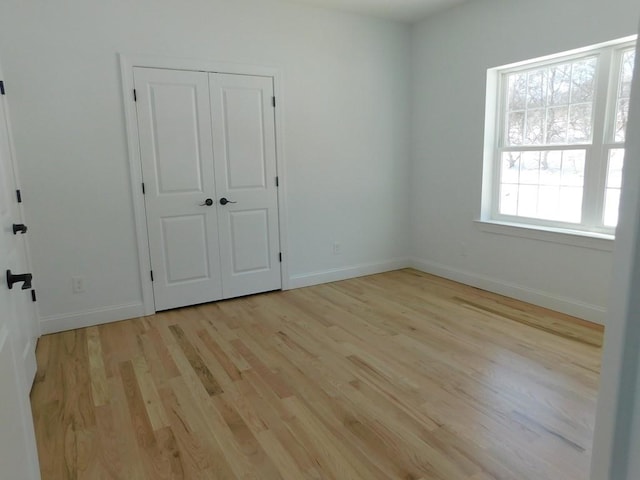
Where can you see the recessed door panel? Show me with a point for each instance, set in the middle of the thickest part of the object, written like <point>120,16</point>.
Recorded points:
<point>185,248</point>
<point>249,241</point>
<point>174,125</point>
<point>174,110</point>
<point>244,137</point>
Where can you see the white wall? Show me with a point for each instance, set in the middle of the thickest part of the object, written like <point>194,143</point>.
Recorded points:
<point>451,54</point>
<point>346,94</point>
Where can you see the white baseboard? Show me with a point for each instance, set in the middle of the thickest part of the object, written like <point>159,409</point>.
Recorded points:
<point>336,274</point>
<point>89,318</point>
<point>570,306</point>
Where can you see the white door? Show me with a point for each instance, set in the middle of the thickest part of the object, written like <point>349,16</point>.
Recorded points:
<point>207,144</point>
<point>245,165</point>
<point>174,125</point>
<point>18,455</point>
<point>15,259</point>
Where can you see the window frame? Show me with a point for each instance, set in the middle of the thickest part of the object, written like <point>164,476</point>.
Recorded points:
<point>607,82</point>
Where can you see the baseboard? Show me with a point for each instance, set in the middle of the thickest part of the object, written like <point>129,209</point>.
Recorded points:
<point>336,274</point>
<point>570,306</point>
<point>89,318</point>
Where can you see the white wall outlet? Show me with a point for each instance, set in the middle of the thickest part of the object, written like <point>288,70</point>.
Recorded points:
<point>337,248</point>
<point>77,284</point>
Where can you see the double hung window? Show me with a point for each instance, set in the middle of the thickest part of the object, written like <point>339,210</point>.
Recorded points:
<point>558,139</point>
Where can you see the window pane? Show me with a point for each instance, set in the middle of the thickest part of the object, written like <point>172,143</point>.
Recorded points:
<point>614,169</point>
<point>628,62</point>
<point>622,115</point>
<point>510,171</point>
<point>614,184</point>
<point>611,206</point>
<point>530,168</point>
<point>551,168</point>
<point>583,80</point>
<point>551,105</point>
<point>534,127</point>
<point>624,90</point>
<point>557,125</point>
<point>543,184</point>
<point>517,92</point>
<point>559,84</point>
<point>515,128</point>
<point>509,199</point>
<point>580,123</point>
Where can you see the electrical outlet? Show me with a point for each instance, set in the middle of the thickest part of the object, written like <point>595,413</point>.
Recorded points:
<point>77,284</point>
<point>337,248</point>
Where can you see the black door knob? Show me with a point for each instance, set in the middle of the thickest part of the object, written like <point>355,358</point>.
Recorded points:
<point>224,201</point>
<point>25,278</point>
<point>208,202</point>
<point>19,227</point>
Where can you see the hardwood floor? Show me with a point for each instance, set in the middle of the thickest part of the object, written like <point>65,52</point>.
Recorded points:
<point>394,376</point>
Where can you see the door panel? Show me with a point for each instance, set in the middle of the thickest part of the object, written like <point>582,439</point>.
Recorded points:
<point>185,246</point>
<point>249,231</point>
<point>242,120</point>
<point>176,139</point>
<point>244,149</point>
<point>174,125</point>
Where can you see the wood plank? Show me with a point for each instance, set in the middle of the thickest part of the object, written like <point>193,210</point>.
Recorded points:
<point>399,375</point>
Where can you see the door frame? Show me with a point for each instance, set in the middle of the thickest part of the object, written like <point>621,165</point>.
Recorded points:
<point>127,64</point>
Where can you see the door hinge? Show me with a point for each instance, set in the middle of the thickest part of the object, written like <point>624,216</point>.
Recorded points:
<point>277,181</point>
<point>151,275</point>
<point>19,196</point>
<point>1,87</point>
<point>33,295</point>
<point>273,101</point>
<point>143,192</point>
<point>135,95</point>
<point>280,256</point>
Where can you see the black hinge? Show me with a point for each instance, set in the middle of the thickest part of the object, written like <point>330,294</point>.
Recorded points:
<point>19,196</point>
<point>152,275</point>
<point>277,181</point>
<point>143,192</point>
<point>1,87</point>
<point>273,100</point>
<point>33,295</point>
<point>135,95</point>
<point>280,256</point>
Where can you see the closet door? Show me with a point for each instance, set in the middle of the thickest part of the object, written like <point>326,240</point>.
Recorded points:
<point>174,125</point>
<point>245,171</point>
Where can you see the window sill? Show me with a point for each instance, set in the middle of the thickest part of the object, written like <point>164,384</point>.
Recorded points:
<point>576,238</point>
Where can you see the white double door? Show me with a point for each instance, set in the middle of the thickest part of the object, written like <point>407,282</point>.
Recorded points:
<point>207,144</point>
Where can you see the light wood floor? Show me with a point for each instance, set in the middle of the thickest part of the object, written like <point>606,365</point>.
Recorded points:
<point>395,376</point>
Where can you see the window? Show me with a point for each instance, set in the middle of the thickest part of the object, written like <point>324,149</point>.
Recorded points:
<point>556,132</point>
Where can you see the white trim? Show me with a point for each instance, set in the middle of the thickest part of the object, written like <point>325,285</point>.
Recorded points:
<point>89,318</point>
<point>575,238</point>
<point>344,273</point>
<point>569,306</point>
<point>127,63</point>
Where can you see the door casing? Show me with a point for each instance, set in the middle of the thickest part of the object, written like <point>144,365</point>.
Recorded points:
<point>127,64</point>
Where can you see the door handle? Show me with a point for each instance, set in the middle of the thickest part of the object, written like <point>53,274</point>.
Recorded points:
<point>224,201</point>
<point>25,278</point>
<point>208,202</point>
<point>19,227</point>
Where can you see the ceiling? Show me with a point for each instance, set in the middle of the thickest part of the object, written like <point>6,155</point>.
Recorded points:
<point>402,10</point>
